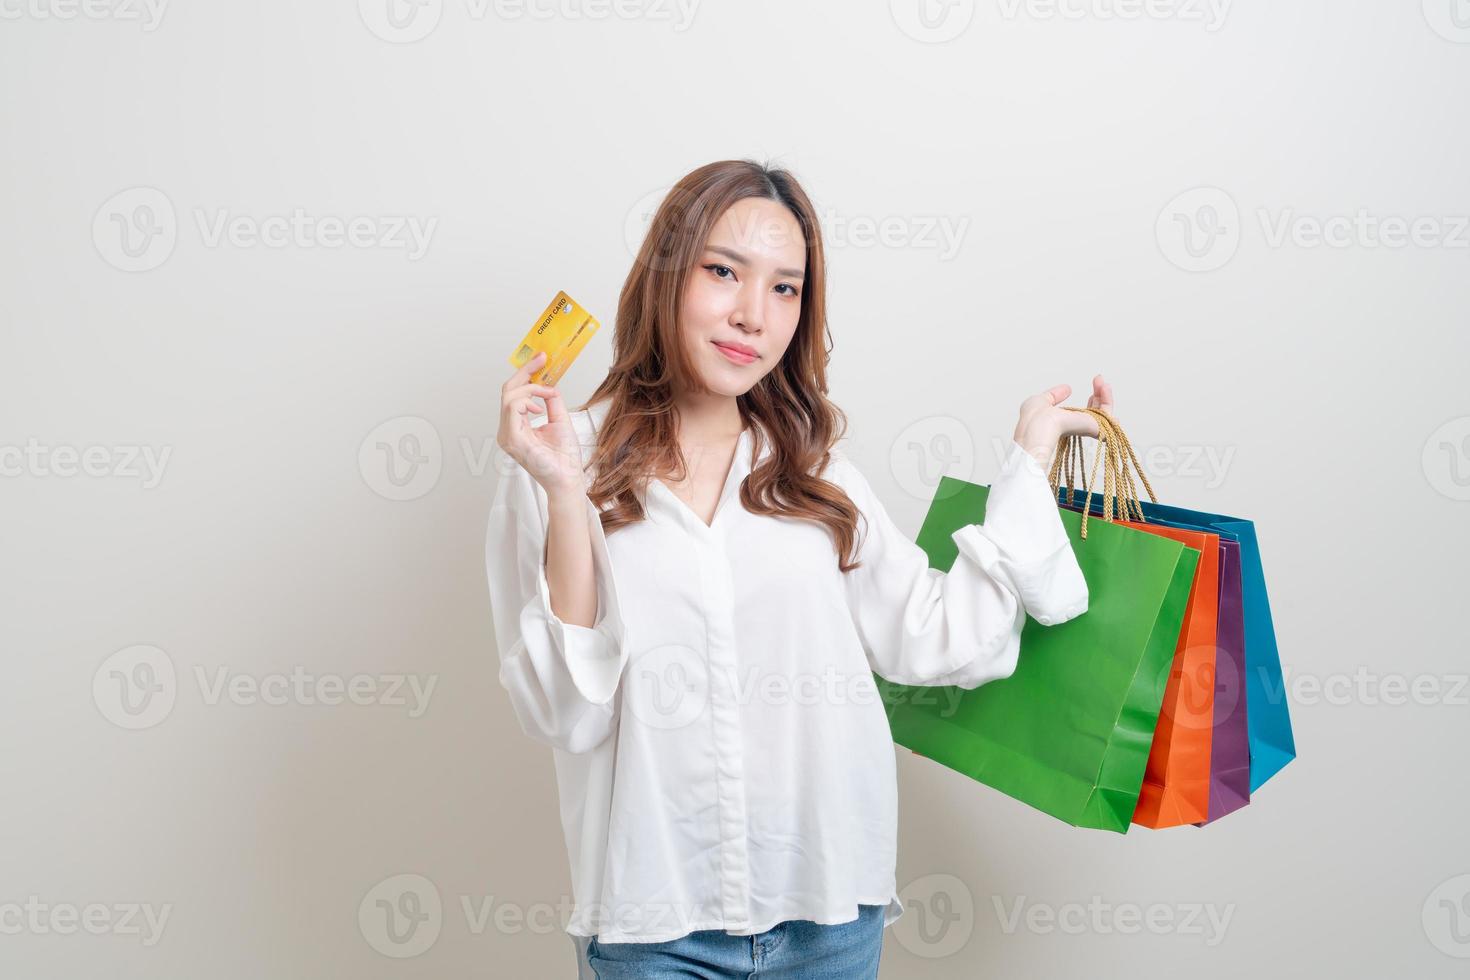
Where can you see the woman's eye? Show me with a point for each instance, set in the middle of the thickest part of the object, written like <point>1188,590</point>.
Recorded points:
<point>721,271</point>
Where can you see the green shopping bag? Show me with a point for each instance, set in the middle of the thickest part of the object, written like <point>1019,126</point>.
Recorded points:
<point>1069,732</point>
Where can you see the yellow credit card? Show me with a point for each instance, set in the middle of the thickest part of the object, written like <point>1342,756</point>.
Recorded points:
<point>562,331</point>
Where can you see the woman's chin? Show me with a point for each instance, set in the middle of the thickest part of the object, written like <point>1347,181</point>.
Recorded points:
<point>727,380</point>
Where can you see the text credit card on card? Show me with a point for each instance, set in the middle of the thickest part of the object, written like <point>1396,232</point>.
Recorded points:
<point>562,331</point>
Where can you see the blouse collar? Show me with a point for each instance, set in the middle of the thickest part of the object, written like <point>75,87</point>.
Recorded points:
<point>668,503</point>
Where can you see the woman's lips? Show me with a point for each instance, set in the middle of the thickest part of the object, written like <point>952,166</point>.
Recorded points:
<point>738,357</point>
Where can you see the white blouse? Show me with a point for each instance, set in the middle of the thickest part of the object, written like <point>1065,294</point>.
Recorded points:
<point>722,755</point>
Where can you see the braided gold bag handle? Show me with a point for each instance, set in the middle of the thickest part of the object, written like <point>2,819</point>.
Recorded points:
<point>1114,452</point>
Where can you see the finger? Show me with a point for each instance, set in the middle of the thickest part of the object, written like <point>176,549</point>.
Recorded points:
<point>556,409</point>
<point>523,373</point>
<point>525,400</point>
<point>515,426</point>
<point>530,388</point>
<point>514,405</point>
<point>514,397</point>
<point>1082,424</point>
<point>516,421</point>
<point>519,404</point>
<point>1058,393</point>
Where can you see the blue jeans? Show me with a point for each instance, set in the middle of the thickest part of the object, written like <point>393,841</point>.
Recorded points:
<point>797,949</point>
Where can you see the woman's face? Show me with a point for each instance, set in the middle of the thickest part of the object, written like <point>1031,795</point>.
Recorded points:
<point>744,294</point>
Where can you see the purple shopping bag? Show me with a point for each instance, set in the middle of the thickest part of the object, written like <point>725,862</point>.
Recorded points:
<point>1230,756</point>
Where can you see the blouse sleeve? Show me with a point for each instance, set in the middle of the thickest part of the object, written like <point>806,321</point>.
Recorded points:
<point>921,626</point>
<point>561,677</point>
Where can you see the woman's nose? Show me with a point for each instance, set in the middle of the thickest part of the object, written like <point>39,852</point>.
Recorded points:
<point>748,314</point>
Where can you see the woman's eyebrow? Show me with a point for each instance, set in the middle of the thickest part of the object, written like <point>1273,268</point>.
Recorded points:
<point>735,256</point>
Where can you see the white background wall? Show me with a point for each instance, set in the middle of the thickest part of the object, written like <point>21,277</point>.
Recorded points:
<point>1026,169</point>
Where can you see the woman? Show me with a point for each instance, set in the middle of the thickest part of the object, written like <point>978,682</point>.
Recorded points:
<point>692,588</point>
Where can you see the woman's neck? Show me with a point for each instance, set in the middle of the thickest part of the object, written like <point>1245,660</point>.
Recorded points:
<point>708,419</point>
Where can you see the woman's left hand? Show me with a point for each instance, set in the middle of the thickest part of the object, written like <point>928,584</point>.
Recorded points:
<point>1044,421</point>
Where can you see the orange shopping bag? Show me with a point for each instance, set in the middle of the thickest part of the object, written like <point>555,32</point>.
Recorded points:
<point>1176,783</point>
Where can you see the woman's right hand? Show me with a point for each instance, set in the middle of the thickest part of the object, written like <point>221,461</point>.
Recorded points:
<point>550,452</point>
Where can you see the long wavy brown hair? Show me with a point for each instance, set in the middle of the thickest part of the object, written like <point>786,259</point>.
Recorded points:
<point>788,408</point>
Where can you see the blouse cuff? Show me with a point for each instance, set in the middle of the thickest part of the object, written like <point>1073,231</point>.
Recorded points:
<point>1023,528</point>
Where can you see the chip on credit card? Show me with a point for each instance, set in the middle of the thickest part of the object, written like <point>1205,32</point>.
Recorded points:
<point>562,331</point>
